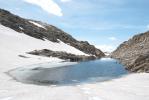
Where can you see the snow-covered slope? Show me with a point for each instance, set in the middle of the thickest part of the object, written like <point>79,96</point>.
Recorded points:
<point>24,43</point>
<point>14,44</point>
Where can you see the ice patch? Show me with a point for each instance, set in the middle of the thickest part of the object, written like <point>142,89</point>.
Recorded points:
<point>75,81</point>
<point>21,28</point>
<point>106,59</point>
<point>38,25</point>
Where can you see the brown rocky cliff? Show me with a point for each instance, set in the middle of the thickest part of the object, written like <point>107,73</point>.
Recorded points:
<point>134,53</point>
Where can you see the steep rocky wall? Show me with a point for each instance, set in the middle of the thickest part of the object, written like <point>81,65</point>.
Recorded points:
<point>134,53</point>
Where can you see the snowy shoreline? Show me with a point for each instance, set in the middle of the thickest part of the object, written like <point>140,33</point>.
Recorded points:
<point>128,87</point>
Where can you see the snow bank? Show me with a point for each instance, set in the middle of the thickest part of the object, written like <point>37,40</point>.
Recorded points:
<point>129,87</point>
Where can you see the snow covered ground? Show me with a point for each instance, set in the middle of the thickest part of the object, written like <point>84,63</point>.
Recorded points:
<point>12,44</point>
<point>131,87</point>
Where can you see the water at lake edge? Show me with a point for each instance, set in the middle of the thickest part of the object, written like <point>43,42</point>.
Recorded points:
<point>90,71</point>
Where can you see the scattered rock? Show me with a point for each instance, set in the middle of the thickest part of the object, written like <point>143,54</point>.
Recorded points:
<point>23,56</point>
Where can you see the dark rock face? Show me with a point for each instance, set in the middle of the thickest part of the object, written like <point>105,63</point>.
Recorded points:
<point>134,53</point>
<point>50,32</point>
<point>62,55</point>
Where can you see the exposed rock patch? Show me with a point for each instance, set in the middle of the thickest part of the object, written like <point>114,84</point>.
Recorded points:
<point>62,55</point>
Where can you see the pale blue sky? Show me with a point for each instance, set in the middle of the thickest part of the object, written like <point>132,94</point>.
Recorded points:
<point>105,23</point>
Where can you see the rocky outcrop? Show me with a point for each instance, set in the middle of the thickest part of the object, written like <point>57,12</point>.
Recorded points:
<point>134,53</point>
<point>50,32</point>
<point>62,55</point>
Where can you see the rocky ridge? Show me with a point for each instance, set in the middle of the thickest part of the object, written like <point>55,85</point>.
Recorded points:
<point>62,55</point>
<point>134,53</point>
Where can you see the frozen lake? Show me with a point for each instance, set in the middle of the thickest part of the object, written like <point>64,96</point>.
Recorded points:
<point>90,71</point>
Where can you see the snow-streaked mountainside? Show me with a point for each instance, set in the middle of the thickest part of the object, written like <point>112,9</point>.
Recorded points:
<point>57,39</point>
<point>22,43</point>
